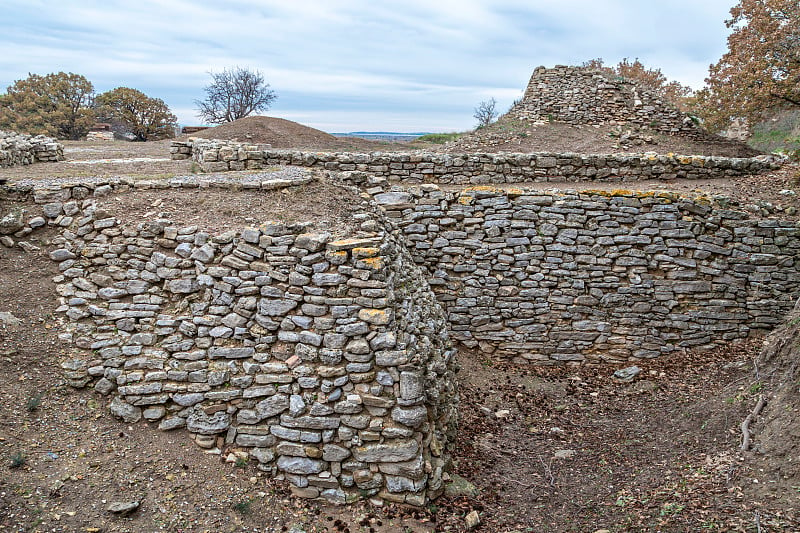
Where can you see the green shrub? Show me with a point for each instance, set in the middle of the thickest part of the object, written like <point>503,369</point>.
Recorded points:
<point>439,138</point>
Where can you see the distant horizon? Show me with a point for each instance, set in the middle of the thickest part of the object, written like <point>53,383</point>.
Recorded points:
<point>356,65</point>
<point>353,132</point>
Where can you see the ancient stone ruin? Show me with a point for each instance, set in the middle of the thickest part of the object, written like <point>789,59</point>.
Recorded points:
<point>19,149</point>
<point>578,95</point>
<point>328,359</point>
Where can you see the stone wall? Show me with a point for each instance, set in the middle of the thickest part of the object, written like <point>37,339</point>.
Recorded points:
<point>596,276</point>
<point>578,95</point>
<point>473,169</point>
<point>18,149</point>
<point>325,360</point>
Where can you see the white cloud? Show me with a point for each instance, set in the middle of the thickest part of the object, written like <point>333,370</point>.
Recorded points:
<point>415,62</point>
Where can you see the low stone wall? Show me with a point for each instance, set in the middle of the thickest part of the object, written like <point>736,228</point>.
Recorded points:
<point>18,149</point>
<point>596,276</point>
<point>325,360</point>
<point>474,169</point>
<point>83,188</point>
<point>105,136</point>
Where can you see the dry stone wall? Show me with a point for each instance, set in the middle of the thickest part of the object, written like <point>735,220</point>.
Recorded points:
<point>475,169</point>
<point>577,95</point>
<point>596,276</point>
<point>18,149</point>
<point>325,360</point>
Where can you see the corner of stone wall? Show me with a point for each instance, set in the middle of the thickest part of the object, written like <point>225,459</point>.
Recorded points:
<point>324,360</point>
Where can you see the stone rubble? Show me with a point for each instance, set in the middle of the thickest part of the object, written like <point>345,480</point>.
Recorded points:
<point>578,95</point>
<point>18,149</point>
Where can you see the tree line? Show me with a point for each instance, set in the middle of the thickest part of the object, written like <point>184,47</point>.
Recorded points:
<point>759,73</point>
<point>65,105</point>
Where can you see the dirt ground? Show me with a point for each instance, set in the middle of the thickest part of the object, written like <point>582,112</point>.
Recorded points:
<point>510,135</point>
<point>549,449</point>
<point>281,133</point>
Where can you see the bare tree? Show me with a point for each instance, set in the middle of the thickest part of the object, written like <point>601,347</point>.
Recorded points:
<point>485,113</point>
<point>234,94</point>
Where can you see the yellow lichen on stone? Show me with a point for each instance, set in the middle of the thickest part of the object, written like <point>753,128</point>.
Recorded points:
<point>372,263</point>
<point>341,254</point>
<point>378,317</point>
<point>360,253</point>
<point>466,199</point>
<point>621,192</point>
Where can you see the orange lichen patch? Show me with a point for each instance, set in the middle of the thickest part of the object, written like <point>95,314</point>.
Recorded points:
<point>466,200</point>
<point>621,192</point>
<point>703,199</point>
<point>514,191</point>
<point>483,188</point>
<point>671,196</point>
<point>337,255</point>
<point>372,263</point>
<point>378,317</point>
<point>349,244</point>
<point>360,253</point>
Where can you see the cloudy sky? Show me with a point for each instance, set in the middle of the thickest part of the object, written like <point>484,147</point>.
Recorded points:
<point>354,65</point>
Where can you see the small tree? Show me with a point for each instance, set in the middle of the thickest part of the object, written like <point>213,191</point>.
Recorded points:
<point>485,113</point>
<point>235,94</point>
<point>761,69</point>
<point>648,78</point>
<point>59,105</point>
<point>143,117</point>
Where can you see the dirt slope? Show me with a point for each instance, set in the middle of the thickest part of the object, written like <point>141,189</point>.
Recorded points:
<point>513,135</point>
<point>281,133</point>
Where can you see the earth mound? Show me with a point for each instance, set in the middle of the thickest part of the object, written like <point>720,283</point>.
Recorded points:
<point>776,433</point>
<point>515,135</point>
<point>282,133</point>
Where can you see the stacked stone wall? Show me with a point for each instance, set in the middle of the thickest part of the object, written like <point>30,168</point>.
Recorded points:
<point>324,360</point>
<point>18,149</point>
<point>596,276</point>
<point>577,95</point>
<point>474,169</point>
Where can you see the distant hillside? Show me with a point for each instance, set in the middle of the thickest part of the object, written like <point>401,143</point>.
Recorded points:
<point>282,133</point>
<point>780,131</point>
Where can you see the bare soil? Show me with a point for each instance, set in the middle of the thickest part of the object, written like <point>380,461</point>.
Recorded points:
<point>281,133</point>
<point>550,449</point>
<point>320,204</point>
<point>507,135</point>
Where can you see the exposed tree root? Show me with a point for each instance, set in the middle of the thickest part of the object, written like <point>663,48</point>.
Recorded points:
<point>746,424</point>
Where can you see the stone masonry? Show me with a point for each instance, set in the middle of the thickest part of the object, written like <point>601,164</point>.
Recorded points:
<point>325,360</point>
<point>578,95</point>
<point>474,169</point>
<point>18,149</point>
<point>596,276</point>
